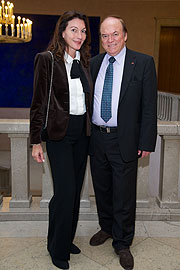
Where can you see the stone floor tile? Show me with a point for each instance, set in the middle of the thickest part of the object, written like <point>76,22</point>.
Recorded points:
<point>140,229</point>
<point>33,257</point>
<point>153,255</point>
<point>40,228</point>
<point>82,262</point>
<point>10,246</point>
<point>162,228</point>
<point>23,229</point>
<point>87,228</point>
<point>169,241</point>
<point>137,240</point>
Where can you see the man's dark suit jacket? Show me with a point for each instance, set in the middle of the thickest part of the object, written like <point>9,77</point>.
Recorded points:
<point>137,110</point>
<point>58,116</point>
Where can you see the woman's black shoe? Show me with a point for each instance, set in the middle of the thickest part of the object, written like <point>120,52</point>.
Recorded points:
<point>61,264</point>
<point>74,249</point>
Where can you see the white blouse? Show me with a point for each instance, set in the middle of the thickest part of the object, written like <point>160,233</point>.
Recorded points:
<point>76,94</point>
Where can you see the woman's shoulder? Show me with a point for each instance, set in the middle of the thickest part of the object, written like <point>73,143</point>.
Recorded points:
<point>44,55</point>
<point>48,56</point>
<point>43,59</point>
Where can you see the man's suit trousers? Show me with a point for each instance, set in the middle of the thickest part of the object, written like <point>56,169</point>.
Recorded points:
<point>115,188</point>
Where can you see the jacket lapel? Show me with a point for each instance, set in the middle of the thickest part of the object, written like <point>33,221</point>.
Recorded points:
<point>129,65</point>
<point>96,66</point>
<point>60,70</point>
<point>87,81</point>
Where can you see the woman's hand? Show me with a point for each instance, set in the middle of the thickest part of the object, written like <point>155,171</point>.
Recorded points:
<point>37,153</point>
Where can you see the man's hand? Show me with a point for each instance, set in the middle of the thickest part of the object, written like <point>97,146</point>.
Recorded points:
<point>37,153</point>
<point>143,153</point>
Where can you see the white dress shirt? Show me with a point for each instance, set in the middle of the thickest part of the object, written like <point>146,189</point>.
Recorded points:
<point>76,94</point>
<point>118,67</point>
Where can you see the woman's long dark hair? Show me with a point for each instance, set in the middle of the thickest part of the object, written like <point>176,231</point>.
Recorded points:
<point>58,45</point>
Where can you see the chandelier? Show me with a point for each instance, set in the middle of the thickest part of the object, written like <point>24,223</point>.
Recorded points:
<point>11,32</point>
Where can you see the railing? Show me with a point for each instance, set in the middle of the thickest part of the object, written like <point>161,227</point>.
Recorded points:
<point>168,106</point>
<point>158,178</point>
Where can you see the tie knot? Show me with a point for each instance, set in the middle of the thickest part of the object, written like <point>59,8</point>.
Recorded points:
<point>112,59</point>
<point>76,61</point>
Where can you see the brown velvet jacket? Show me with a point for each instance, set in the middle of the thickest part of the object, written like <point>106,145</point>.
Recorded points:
<point>58,116</point>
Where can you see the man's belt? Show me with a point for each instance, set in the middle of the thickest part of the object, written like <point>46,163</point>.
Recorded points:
<point>105,129</point>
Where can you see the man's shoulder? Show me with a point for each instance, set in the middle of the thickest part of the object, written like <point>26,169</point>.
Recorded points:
<point>97,58</point>
<point>139,54</point>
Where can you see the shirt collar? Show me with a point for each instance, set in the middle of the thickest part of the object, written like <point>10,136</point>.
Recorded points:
<point>119,56</point>
<point>69,59</point>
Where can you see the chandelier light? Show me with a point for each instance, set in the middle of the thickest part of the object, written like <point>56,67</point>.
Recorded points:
<point>11,32</point>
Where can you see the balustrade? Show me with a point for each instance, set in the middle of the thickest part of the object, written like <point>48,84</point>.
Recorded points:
<point>158,175</point>
<point>168,108</point>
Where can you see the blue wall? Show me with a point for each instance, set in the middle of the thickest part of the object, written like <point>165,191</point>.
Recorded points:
<point>16,60</point>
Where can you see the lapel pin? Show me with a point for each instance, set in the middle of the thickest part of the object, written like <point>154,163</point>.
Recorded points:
<point>132,63</point>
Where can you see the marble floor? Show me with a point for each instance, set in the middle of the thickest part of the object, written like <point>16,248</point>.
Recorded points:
<point>23,247</point>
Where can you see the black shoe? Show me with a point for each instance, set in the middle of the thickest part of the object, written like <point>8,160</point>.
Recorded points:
<point>99,238</point>
<point>61,264</point>
<point>125,258</point>
<point>74,249</point>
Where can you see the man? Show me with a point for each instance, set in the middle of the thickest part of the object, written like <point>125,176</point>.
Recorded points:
<point>124,128</point>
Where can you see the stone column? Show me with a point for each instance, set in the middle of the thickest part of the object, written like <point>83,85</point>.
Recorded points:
<point>169,173</point>
<point>47,186</point>
<point>143,198</point>
<point>1,199</point>
<point>85,202</point>
<point>20,171</point>
<point>154,169</point>
<point>175,109</point>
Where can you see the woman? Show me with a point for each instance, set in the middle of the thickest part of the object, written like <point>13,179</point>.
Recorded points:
<point>68,127</point>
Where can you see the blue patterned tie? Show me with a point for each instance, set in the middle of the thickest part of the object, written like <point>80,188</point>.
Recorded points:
<point>107,92</point>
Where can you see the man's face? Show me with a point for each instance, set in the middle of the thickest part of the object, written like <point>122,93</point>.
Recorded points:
<point>112,36</point>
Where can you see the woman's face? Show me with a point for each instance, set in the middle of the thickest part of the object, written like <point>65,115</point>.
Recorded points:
<point>74,35</point>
